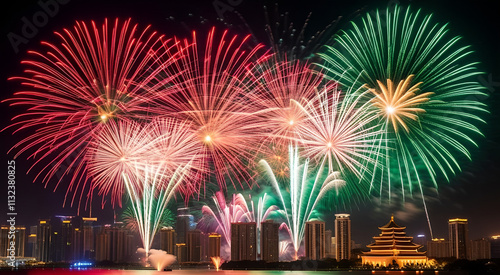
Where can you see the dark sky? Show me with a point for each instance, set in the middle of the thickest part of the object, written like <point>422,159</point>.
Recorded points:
<point>473,194</point>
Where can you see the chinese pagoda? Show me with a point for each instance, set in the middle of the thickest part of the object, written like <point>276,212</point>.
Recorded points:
<point>393,246</point>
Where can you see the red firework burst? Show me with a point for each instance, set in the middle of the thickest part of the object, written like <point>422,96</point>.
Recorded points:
<point>209,94</point>
<point>278,83</point>
<point>95,74</point>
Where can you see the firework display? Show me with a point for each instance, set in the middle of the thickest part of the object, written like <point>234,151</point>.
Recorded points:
<point>150,199</point>
<point>280,84</point>
<point>219,218</point>
<point>301,196</point>
<point>337,130</point>
<point>95,75</point>
<point>209,94</point>
<point>388,104</point>
<point>423,88</point>
<point>128,147</point>
<point>150,163</point>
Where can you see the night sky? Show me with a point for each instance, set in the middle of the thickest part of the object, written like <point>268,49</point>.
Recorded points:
<point>472,194</point>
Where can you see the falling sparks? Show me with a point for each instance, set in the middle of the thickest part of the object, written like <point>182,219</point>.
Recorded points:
<point>301,196</point>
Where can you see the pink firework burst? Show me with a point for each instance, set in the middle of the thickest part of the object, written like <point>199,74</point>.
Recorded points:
<point>219,219</point>
<point>278,84</point>
<point>129,148</point>
<point>210,95</point>
<point>337,130</point>
<point>94,75</point>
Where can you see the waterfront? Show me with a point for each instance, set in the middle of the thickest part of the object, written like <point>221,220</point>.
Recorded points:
<point>214,272</point>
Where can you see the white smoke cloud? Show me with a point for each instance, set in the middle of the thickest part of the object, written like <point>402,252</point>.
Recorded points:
<point>158,258</point>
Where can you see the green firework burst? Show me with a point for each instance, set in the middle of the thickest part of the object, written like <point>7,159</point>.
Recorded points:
<point>425,91</point>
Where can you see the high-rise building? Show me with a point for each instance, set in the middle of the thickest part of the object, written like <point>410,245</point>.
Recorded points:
<point>269,241</point>
<point>315,240</point>
<point>43,240</point>
<point>479,249</point>
<point>459,237</point>
<point>101,246</point>
<point>343,237</point>
<point>77,245</point>
<point>438,248</point>
<point>193,243</point>
<point>32,249</point>
<point>116,234</point>
<point>88,236</point>
<point>55,254</point>
<point>204,247</point>
<point>66,235</point>
<point>114,243</point>
<point>181,252</point>
<point>183,224</point>
<point>62,229</point>
<point>495,247</point>
<point>328,244</point>
<point>167,240</point>
<point>19,240</point>
<point>244,241</point>
<point>130,244</point>
<point>213,245</point>
<point>333,248</point>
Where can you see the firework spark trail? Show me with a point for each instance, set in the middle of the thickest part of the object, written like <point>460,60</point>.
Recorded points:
<point>424,88</point>
<point>175,144</point>
<point>276,85</point>
<point>128,218</point>
<point>93,76</point>
<point>135,153</point>
<point>302,196</point>
<point>126,147</point>
<point>121,147</point>
<point>220,218</point>
<point>224,214</point>
<point>209,94</point>
<point>217,262</point>
<point>284,250</point>
<point>262,212</point>
<point>150,197</point>
<point>435,111</point>
<point>338,130</point>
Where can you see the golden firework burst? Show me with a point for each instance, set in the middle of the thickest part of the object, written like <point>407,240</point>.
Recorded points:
<point>399,103</point>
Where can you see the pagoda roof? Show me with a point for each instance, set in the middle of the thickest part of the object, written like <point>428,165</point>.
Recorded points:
<point>393,241</point>
<point>391,237</point>
<point>394,253</point>
<point>394,246</point>
<point>391,224</point>
<point>385,242</point>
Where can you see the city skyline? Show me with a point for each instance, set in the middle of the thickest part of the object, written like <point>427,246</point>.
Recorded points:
<point>58,230</point>
<point>471,194</point>
<point>62,239</point>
